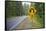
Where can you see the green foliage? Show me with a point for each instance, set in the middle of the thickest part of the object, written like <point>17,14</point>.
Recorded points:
<point>41,13</point>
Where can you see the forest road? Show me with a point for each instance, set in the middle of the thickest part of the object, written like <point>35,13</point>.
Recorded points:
<point>20,22</point>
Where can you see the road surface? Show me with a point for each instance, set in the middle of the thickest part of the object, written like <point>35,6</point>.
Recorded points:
<point>22,22</point>
<point>18,22</point>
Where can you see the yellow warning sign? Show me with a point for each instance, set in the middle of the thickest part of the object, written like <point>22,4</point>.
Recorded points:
<point>31,12</point>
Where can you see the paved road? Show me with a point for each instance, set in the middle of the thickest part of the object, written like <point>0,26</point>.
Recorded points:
<point>21,22</point>
<point>13,22</point>
<point>26,24</point>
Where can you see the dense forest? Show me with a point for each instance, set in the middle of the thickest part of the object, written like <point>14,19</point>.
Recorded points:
<point>17,9</point>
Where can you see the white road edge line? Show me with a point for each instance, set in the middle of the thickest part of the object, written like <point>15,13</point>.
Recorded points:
<point>17,23</point>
